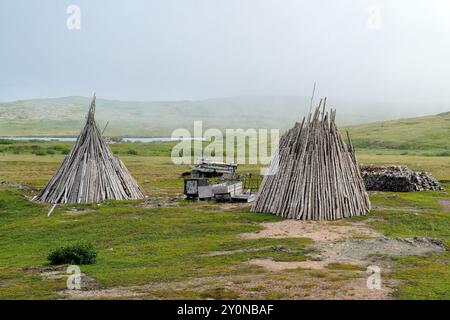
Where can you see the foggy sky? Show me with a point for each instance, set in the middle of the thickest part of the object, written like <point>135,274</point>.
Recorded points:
<point>196,49</point>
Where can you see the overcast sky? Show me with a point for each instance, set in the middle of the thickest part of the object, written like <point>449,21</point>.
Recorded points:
<point>195,49</point>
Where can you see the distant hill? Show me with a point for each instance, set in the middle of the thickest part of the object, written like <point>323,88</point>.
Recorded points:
<point>420,133</point>
<point>64,116</point>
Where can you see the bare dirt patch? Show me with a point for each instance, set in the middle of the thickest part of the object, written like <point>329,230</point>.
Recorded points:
<point>357,289</point>
<point>366,251</point>
<point>361,252</point>
<point>445,203</point>
<point>226,252</point>
<point>340,242</point>
<point>113,293</point>
<point>315,230</point>
<point>161,202</point>
<point>76,212</point>
<point>58,273</point>
<point>272,265</point>
<point>346,243</point>
<point>291,284</point>
<point>227,206</point>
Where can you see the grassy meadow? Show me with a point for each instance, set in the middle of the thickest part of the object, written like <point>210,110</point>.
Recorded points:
<point>168,244</point>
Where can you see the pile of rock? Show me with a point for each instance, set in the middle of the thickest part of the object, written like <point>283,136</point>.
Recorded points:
<point>397,179</point>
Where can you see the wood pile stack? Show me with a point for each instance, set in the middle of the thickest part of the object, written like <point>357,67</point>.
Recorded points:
<point>90,173</point>
<point>314,175</point>
<point>397,179</point>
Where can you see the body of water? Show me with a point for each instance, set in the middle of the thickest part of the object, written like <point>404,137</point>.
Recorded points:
<point>72,139</point>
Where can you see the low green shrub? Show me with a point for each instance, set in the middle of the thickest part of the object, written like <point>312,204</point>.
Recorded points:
<point>443,154</point>
<point>65,151</point>
<point>80,253</point>
<point>40,152</point>
<point>58,147</point>
<point>132,152</point>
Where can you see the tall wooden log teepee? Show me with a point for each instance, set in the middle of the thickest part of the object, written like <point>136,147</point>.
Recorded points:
<point>90,172</point>
<point>314,176</point>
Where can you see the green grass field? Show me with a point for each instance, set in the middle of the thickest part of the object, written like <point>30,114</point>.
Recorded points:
<point>427,136</point>
<point>141,244</point>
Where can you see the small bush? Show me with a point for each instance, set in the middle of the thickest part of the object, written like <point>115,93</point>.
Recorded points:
<point>81,253</point>
<point>40,152</point>
<point>50,151</point>
<point>443,154</point>
<point>132,152</point>
<point>65,151</point>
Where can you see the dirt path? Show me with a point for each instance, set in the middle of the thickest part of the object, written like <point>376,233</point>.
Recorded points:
<point>337,242</point>
<point>349,243</point>
<point>369,251</point>
<point>291,284</point>
<point>272,265</point>
<point>315,230</point>
<point>358,252</point>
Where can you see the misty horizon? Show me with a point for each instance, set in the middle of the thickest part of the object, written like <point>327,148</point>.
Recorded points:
<point>367,51</point>
<point>400,109</point>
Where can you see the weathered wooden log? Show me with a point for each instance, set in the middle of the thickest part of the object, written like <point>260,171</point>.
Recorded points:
<point>318,177</point>
<point>90,173</point>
